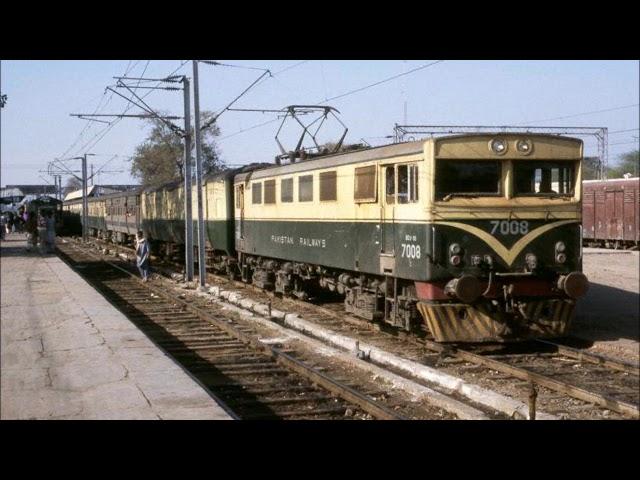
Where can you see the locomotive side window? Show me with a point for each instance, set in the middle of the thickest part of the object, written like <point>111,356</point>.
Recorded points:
<point>467,178</point>
<point>305,188</point>
<point>390,184</point>
<point>365,184</point>
<point>328,186</point>
<point>269,191</point>
<point>286,190</point>
<point>543,178</point>
<point>256,193</point>
<point>407,184</point>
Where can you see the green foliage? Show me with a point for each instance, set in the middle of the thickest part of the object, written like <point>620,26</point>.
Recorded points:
<point>160,159</point>
<point>590,168</point>
<point>3,101</point>
<point>627,163</point>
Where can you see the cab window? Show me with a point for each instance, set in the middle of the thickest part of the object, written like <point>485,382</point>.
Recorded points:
<point>467,178</point>
<point>543,178</point>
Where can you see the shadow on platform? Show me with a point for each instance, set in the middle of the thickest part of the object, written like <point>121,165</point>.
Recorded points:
<point>608,313</point>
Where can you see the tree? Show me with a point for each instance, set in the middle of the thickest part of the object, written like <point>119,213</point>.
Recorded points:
<point>72,184</point>
<point>3,101</point>
<point>627,163</point>
<point>160,158</point>
<point>590,168</point>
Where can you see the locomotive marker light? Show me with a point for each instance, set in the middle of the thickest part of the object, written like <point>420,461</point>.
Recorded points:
<point>531,260</point>
<point>574,285</point>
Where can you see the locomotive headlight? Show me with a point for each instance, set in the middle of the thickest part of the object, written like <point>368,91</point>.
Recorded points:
<point>455,260</point>
<point>524,146</point>
<point>560,247</point>
<point>455,249</point>
<point>531,260</point>
<point>561,258</point>
<point>498,146</point>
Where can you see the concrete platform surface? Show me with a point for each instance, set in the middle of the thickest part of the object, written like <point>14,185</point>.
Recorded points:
<point>67,353</point>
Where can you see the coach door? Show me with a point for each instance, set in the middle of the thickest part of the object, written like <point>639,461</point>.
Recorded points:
<point>240,215</point>
<point>388,210</point>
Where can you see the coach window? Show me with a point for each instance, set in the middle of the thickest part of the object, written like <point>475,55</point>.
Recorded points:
<point>286,190</point>
<point>305,188</point>
<point>256,193</point>
<point>328,186</point>
<point>269,191</point>
<point>365,184</point>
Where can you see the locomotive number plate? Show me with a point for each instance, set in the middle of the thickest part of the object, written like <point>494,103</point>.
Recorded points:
<point>510,227</point>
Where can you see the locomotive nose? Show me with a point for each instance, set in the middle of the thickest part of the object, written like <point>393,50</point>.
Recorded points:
<point>466,288</point>
<point>574,285</point>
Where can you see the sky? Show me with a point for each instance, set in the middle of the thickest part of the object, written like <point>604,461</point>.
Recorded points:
<point>36,126</point>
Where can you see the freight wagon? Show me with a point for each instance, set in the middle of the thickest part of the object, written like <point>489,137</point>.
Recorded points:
<point>611,213</point>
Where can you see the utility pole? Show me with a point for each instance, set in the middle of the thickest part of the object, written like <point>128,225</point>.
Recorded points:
<point>85,200</point>
<point>138,101</point>
<point>91,177</point>
<point>188,217</point>
<point>202,267</point>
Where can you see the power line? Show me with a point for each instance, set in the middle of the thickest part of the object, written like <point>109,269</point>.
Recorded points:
<point>622,131</point>
<point>623,143</point>
<point>422,67</point>
<point>112,124</point>
<point>579,114</point>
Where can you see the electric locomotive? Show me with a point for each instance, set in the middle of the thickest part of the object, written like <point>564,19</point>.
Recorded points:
<point>475,237</point>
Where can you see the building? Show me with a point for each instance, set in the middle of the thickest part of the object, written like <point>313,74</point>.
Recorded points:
<point>98,191</point>
<point>13,194</point>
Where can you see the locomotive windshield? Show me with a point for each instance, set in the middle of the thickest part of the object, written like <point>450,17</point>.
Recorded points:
<point>467,178</point>
<point>543,178</point>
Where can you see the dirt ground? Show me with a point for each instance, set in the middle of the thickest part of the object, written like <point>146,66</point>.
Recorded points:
<point>609,315</point>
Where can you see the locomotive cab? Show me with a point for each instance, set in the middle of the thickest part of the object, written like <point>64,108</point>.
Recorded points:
<point>505,240</point>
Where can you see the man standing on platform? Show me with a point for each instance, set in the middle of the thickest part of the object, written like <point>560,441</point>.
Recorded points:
<point>142,255</point>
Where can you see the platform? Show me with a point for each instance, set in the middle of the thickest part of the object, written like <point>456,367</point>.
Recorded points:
<point>67,353</point>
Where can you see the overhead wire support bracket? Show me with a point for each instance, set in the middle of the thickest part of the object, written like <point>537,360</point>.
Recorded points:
<point>215,117</point>
<point>177,130</point>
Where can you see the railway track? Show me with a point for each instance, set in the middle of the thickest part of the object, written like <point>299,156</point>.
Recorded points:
<point>255,380</point>
<point>563,380</point>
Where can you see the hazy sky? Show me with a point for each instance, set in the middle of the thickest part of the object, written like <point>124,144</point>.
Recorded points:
<point>36,126</point>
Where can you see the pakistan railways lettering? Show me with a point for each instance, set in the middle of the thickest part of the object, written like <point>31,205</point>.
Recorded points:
<point>302,241</point>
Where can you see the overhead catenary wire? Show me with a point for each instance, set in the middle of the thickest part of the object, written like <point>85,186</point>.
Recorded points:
<point>380,82</point>
<point>357,90</point>
<point>580,114</point>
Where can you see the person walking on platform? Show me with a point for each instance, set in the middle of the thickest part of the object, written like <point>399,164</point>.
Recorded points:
<point>142,255</point>
<point>31,227</point>
<point>50,222</point>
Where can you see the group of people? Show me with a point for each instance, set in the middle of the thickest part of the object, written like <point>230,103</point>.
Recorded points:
<point>39,227</point>
<point>42,228</point>
<point>13,222</point>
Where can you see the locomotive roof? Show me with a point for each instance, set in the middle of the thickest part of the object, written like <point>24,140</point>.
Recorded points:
<point>342,158</point>
<point>375,153</point>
